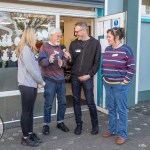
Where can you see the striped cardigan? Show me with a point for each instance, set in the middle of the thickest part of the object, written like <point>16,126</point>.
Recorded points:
<point>118,64</point>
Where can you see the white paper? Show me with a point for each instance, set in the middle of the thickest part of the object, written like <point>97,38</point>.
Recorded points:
<point>107,25</point>
<point>104,44</point>
<point>100,28</point>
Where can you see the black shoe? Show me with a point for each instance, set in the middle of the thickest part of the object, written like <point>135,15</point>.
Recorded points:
<point>63,127</point>
<point>29,142</point>
<point>78,129</point>
<point>95,130</point>
<point>36,138</point>
<point>45,130</point>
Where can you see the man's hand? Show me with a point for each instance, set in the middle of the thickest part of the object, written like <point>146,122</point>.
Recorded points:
<point>60,62</point>
<point>66,54</point>
<point>51,58</point>
<point>84,77</point>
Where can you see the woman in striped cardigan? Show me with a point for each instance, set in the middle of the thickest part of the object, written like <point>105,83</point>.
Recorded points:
<point>118,69</point>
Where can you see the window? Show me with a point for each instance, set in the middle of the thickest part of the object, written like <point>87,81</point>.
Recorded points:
<point>12,25</point>
<point>145,7</point>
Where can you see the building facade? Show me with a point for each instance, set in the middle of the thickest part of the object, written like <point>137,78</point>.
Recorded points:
<point>15,15</point>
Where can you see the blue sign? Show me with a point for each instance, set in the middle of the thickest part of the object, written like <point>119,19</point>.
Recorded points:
<point>116,23</point>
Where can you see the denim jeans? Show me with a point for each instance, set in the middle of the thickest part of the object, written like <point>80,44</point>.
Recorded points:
<point>116,101</point>
<point>52,89</point>
<point>89,95</point>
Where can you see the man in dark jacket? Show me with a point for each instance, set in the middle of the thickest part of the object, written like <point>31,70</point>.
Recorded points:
<point>85,61</point>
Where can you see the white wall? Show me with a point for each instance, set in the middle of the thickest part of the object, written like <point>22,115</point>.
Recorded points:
<point>144,73</point>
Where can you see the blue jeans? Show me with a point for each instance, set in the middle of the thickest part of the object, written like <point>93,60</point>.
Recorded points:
<point>50,90</point>
<point>116,101</point>
<point>89,95</point>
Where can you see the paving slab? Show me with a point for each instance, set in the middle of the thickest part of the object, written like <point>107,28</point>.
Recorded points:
<point>138,131</point>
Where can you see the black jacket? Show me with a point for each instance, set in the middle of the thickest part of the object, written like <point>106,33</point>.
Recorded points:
<point>85,59</point>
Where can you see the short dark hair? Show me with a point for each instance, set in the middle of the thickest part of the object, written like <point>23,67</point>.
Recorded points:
<point>117,31</point>
<point>82,24</point>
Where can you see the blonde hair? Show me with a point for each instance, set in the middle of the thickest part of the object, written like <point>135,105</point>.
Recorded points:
<point>28,38</point>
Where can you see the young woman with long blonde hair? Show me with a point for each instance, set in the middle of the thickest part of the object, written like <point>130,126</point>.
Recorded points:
<point>29,79</point>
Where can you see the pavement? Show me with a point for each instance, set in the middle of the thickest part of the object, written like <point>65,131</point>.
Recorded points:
<point>138,134</point>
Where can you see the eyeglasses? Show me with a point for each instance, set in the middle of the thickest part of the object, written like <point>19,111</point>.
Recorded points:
<point>76,32</point>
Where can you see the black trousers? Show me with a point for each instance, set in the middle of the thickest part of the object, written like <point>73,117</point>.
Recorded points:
<point>28,97</point>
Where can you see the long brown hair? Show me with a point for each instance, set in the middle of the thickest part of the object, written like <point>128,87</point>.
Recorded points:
<point>28,38</point>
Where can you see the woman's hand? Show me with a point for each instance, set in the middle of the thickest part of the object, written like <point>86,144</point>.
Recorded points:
<point>124,82</point>
<point>41,85</point>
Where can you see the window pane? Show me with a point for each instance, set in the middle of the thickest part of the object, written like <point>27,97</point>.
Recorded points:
<point>145,7</point>
<point>12,25</point>
<point>10,107</point>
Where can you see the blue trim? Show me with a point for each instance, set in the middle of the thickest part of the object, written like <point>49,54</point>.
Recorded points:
<point>99,81</point>
<point>99,85</point>
<point>100,12</point>
<point>145,20</point>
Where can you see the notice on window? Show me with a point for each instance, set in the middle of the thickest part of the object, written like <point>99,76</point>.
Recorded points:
<point>107,25</point>
<point>104,44</point>
<point>100,28</point>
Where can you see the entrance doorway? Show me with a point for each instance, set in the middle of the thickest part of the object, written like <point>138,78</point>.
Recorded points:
<point>67,27</point>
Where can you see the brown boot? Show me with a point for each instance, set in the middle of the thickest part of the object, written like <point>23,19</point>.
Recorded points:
<point>107,134</point>
<point>120,140</point>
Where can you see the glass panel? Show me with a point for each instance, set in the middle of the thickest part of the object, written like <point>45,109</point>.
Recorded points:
<point>10,107</point>
<point>145,7</point>
<point>8,79</point>
<point>12,25</point>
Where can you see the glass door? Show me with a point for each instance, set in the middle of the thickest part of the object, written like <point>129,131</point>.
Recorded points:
<point>102,25</point>
<point>67,26</point>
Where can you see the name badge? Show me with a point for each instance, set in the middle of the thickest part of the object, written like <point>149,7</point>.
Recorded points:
<point>114,55</point>
<point>78,50</point>
<point>56,52</point>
